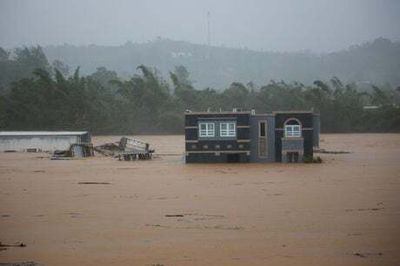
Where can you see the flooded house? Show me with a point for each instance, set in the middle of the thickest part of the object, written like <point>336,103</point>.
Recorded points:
<point>244,136</point>
<point>41,140</point>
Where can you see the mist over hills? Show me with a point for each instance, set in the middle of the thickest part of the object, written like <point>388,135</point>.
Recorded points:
<point>39,92</point>
<point>376,62</point>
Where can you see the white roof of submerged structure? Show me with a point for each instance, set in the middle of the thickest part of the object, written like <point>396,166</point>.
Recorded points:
<point>42,133</point>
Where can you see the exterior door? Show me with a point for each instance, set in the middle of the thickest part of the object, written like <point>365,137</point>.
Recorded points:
<point>262,139</point>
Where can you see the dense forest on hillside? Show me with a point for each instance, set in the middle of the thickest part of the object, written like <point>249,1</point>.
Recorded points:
<point>36,95</point>
<point>376,62</point>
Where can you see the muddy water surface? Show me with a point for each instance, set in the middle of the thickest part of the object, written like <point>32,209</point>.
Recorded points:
<point>100,211</point>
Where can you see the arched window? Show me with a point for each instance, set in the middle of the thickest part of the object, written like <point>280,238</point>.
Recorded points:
<point>292,128</point>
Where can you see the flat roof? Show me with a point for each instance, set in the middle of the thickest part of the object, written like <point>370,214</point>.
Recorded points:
<point>249,112</point>
<point>216,113</point>
<point>42,133</point>
<point>293,112</point>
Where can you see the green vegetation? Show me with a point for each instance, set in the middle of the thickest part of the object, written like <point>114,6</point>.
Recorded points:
<point>38,96</point>
<point>376,62</point>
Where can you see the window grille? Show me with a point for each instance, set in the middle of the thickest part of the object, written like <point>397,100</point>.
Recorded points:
<point>227,129</point>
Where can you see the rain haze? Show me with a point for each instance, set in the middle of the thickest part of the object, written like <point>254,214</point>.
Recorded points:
<point>199,132</point>
<point>318,26</point>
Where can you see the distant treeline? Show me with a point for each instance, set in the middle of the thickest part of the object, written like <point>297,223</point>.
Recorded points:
<point>35,95</point>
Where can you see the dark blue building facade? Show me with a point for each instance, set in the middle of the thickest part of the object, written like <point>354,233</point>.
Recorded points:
<point>219,137</point>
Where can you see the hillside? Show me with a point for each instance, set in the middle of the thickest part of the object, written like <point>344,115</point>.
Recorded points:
<point>374,62</point>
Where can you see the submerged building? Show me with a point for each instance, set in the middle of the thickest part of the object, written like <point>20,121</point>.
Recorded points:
<point>41,140</point>
<point>244,136</point>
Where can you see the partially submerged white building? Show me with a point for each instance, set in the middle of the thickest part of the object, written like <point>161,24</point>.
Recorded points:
<point>41,140</point>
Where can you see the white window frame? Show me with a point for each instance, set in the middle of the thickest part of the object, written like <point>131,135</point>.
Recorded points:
<point>208,131</point>
<point>292,131</point>
<point>229,130</point>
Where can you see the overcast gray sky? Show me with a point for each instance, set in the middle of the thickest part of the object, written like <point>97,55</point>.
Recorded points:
<point>281,25</point>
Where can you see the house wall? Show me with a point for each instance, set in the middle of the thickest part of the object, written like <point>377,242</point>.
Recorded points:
<point>217,149</point>
<point>316,129</point>
<point>306,119</point>
<point>254,136</point>
<point>212,157</point>
<point>293,145</point>
<point>44,143</point>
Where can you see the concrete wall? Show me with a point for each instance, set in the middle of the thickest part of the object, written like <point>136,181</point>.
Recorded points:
<point>216,149</point>
<point>213,157</point>
<point>316,129</point>
<point>292,145</point>
<point>306,119</point>
<point>44,143</point>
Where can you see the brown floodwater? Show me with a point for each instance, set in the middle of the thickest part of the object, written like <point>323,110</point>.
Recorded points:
<point>345,211</point>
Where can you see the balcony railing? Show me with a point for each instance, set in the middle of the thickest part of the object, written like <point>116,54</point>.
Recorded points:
<point>292,144</point>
